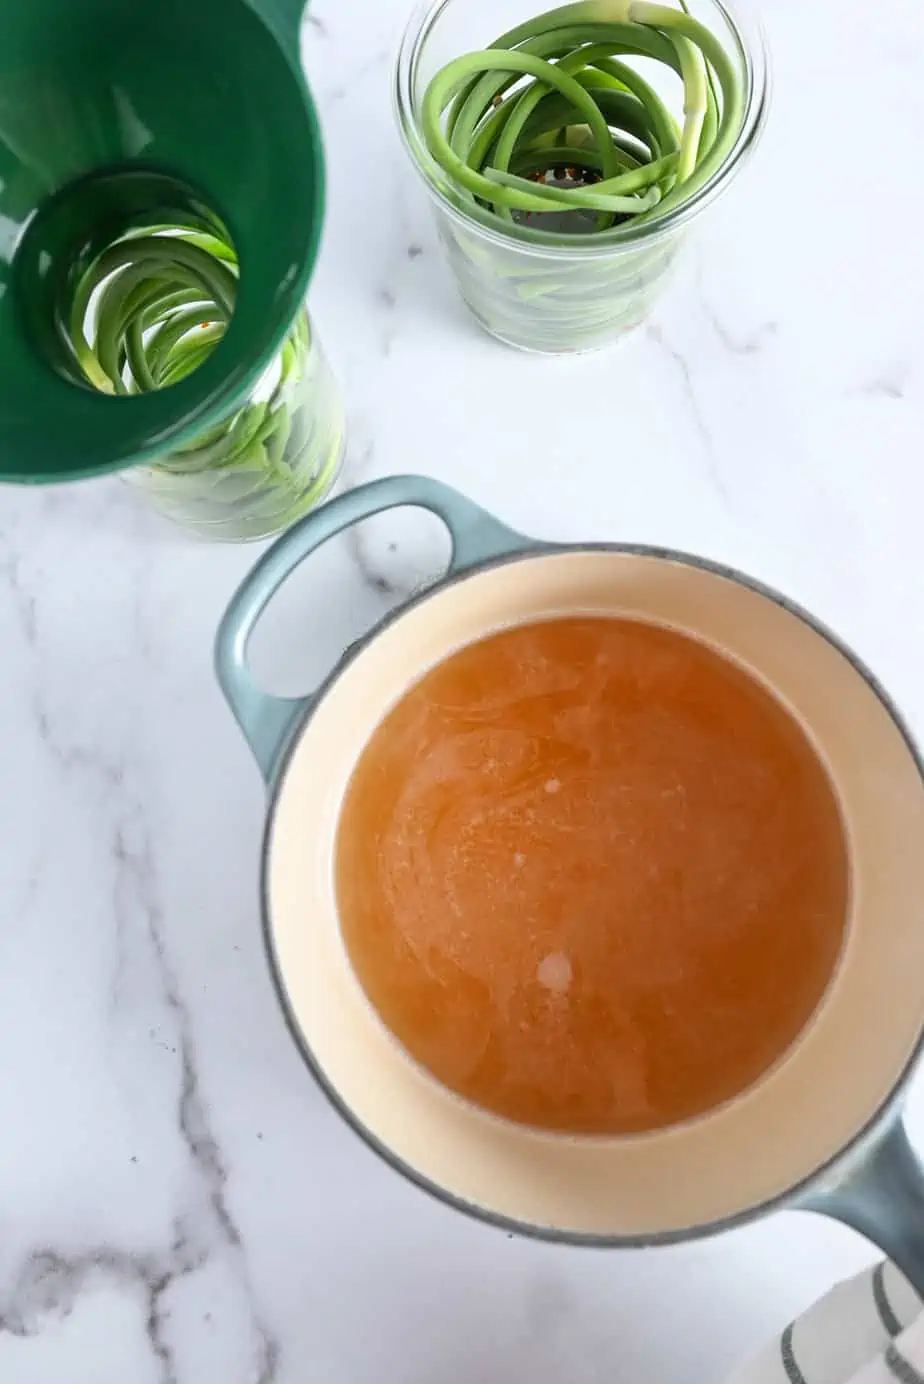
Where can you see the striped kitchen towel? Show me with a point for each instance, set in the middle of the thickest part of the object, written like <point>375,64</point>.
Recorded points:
<point>869,1330</point>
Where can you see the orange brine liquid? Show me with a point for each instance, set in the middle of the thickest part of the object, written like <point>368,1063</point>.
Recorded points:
<point>592,875</point>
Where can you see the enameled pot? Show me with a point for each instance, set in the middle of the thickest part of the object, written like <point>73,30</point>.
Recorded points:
<point>822,1130</point>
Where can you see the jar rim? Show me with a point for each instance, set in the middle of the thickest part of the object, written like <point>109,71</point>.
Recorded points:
<point>752,51</point>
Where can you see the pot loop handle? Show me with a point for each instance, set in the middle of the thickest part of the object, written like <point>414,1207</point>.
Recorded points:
<point>267,721</point>
<point>880,1193</point>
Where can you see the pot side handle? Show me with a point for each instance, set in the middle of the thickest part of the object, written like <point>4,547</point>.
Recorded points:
<point>268,721</point>
<point>881,1195</point>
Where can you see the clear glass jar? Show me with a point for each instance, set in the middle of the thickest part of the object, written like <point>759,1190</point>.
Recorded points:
<point>551,289</point>
<point>272,460</point>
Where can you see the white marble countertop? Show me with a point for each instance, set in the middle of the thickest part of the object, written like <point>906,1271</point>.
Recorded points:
<point>177,1201</point>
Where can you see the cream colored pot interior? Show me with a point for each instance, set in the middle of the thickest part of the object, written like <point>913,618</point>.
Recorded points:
<point>738,1157</point>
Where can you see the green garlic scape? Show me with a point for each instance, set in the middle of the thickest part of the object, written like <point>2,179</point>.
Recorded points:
<point>583,116</point>
<point>148,312</point>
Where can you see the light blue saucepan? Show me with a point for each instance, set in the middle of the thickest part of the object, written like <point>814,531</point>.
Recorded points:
<point>821,1132</point>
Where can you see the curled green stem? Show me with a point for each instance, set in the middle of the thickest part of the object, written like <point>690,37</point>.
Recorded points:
<point>148,312</point>
<point>504,122</point>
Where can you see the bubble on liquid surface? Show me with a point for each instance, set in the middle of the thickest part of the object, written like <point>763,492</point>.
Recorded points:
<point>554,972</point>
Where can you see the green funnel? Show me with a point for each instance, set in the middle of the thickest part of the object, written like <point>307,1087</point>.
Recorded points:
<point>117,115</point>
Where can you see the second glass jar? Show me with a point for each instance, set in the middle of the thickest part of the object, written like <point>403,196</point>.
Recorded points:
<point>542,283</point>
